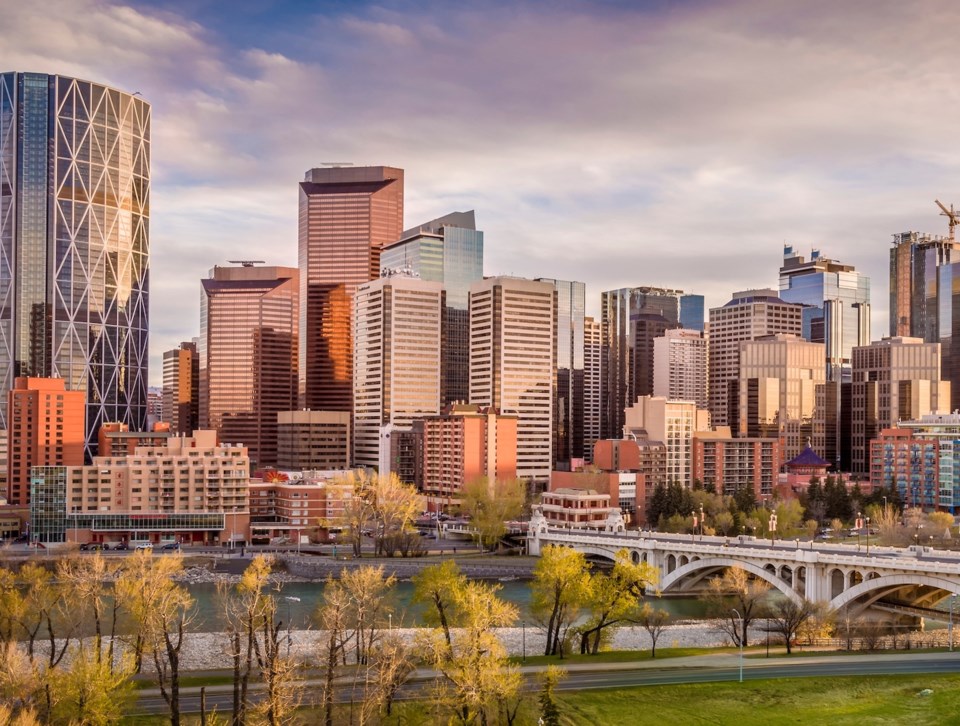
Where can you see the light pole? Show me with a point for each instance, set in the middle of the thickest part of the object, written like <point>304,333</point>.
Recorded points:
<point>701,521</point>
<point>523,626</point>
<point>740,638</point>
<point>950,648</point>
<point>693,532</point>
<point>772,526</point>
<point>868,536</point>
<point>290,599</point>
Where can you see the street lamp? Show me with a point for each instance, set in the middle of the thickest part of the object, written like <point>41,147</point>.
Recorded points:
<point>952,598</point>
<point>868,536</point>
<point>523,626</point>
<point>740,638</point>
<point>772,526</point>
<point>701,521</point>
<point>290,599</point>
<point>693,533</point>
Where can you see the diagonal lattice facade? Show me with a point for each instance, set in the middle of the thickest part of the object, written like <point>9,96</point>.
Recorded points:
<point>74,242</point>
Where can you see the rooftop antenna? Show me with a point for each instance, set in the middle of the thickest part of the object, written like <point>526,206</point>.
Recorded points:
<point>246,263</point>
<point>950,215</point>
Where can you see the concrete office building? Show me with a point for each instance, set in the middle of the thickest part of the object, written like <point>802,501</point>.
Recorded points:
<point>397,369</point>
<point>248,355</point>
<point>46,428</point>
<point>893,379</point>
<point>181,388</point>
<point>749,314</point>
<point>313,440</point>
<point>448,250</point>
<point>347,216</point>
<point>592,383</point>
<point>680,366</point>
<point>75,243</point>
<point>513,362</point>
<point>777,385</point>
<point>673,423</point>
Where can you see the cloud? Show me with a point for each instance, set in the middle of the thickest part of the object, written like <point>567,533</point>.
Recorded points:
<point>673,144</point>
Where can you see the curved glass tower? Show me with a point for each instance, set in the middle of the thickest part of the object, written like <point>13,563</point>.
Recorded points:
<point>74,242</point>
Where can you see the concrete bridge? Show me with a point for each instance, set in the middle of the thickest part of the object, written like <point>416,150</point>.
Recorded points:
<point>837,575</point>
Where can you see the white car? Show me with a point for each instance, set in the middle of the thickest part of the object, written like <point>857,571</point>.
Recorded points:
<point>144,546</point>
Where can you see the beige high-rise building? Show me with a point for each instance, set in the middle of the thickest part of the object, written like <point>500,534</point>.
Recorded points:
<point>592,382</point>
<point>654,418</point>
<point>749,314</point>
<point>777,390</point>
<point>248,355</point>
<point>512,363</point>
<point>680,366</point>
<point>396,358</point>
<point>894,379</point>
<point>181,389</point>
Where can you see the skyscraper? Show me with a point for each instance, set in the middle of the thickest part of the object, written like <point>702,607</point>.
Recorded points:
<point>248,355</point>
<point>914,291</point>
<point>74,242</point>
<point>569,390</point>
<point>397,332</point>
<point>512,363</point>
<point>448,250</point>
<point>893,379</point>
<point>181,389</point>
<point>347,215</point>
<point>749,315</point>
<point>631,318</point>
<point>778,381</point>
<point>836,300</point>
<point>680,366</point>
<point>592,385</point>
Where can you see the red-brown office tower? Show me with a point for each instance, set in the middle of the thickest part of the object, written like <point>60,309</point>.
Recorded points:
<point>347,215</point>
<point>248,355</point>
<point>46,428</point>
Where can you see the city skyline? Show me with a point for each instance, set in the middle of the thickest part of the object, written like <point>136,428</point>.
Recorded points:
<point>693,167</point>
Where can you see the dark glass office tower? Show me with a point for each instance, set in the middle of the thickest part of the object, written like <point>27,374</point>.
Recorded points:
<point>74,242</point>
<point>568,396</point>
<point>448,250</point>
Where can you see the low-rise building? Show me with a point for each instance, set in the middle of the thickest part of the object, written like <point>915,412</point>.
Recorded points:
<point>728,464</point>
<point>299,506</point>
<point>189,490</point>
<point>576,508</point>
<point>909,462</point>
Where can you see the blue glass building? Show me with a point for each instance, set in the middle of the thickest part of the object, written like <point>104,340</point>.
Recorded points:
<point>74,242</point>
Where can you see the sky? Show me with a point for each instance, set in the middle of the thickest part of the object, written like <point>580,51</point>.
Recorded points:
<point>668,143</point>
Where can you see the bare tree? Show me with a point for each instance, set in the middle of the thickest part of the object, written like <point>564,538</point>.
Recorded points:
<point>654,621</point>
<point>785,617</point>
<point>736,591</point>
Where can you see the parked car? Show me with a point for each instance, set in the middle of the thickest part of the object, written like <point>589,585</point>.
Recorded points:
<point>122,546</point>
<point>144,546</point>
<point>171,546</point>
<point>91,547</point>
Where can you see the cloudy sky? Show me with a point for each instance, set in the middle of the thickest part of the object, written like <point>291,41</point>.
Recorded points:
<point>618,143</point>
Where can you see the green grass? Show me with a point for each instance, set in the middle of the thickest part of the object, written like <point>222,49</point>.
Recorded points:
<point>836,701</point>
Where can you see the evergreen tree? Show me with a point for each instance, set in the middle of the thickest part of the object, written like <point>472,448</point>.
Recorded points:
<point>745,498</point>
<point>657,504</point>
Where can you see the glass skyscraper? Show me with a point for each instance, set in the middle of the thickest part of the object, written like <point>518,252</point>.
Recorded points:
<point>448,250</point>
<point>74,242</point>
<point>836,300</point>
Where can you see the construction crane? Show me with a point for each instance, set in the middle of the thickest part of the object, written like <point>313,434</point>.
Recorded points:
<point>950,215</point>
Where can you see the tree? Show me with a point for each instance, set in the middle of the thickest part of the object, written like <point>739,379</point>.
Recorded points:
<point>560,586</point>
<point>478,683</point>
<point>491,504</point>
<point>85,579</point>
<point>723,523</point>
<point>786,618</point>
<point>436,586</point>
<point>745,498</point>
<point>21,680</point>
<point>811,528</point>
<point>389,666</point>
<point>940,522</point>
<point>92,691</point>
<point>332,618</point>
<point>549,680</point>
<point>282,690</point>
<point>656,504</point>
<point>654,621</point>
<point>614,598</point>
<point>383,506</point>
<point>736,590</point>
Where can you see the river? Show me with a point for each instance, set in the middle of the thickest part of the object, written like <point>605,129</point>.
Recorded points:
<point>305,596</point>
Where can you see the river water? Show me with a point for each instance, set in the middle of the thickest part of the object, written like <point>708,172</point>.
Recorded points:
<point>305,597</point>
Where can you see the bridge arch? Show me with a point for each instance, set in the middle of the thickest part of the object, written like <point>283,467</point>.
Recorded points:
<point>715,563</point>
<point>890,583</point>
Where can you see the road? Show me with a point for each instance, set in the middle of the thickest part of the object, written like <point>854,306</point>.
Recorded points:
<point>589,676</point>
